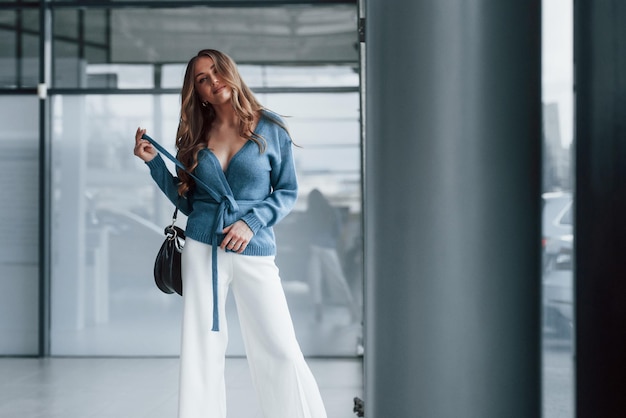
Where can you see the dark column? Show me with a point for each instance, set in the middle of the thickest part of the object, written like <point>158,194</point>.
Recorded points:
<point>452,208</point>
<point>600,207</point>
<point>45,69</point>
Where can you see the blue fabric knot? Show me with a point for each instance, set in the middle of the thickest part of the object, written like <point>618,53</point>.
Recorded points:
<point>232,203</point>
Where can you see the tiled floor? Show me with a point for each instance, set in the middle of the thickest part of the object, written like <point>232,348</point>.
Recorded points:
<point>145,387</point>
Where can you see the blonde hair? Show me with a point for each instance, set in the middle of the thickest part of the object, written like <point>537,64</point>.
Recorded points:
<point>196,118</point>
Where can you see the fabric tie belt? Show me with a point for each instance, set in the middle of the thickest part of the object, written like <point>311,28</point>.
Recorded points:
<point>227,204</point>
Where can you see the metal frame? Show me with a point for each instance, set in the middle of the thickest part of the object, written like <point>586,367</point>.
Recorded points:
<point>156,91</point>
<point>171,4</point>
<point>45,25</point>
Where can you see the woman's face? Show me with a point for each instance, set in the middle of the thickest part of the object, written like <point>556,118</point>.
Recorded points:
<point>208,84</point>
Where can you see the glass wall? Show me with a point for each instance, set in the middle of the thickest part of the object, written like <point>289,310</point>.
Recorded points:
<point>19,160</point>
<point>19,48</point>
<point>292,35</point>
<point>106,230</point>
<point>107,214</point>
<point>19,223</point>
<point>558,230</point>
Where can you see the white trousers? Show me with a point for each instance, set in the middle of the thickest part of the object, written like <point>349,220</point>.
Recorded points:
<point>283,381</point>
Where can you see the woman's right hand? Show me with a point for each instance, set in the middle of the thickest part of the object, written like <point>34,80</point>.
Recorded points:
<point>143,147</point>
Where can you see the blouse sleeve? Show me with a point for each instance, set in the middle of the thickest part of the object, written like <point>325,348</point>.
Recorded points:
<point>284,188</point>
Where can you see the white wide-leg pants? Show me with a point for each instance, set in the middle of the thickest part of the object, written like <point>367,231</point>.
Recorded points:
<point>283,381</point>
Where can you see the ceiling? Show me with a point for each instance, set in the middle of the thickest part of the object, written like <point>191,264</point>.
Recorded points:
<point>285,34</point>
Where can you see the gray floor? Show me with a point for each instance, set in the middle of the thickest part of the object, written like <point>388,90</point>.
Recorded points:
<point>558,378</point>
<point>145,387</point>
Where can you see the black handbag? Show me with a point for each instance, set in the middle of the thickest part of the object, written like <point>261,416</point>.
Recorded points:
<point>167,275</point>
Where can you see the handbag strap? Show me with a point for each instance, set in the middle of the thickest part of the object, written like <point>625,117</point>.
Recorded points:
<point>174,216</point>
<point>180,165</point>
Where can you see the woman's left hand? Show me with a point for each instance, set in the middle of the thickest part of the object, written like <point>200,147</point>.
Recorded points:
<point>237,236</point>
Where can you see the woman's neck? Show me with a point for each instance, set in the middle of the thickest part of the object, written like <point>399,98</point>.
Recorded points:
<point>225,115</point>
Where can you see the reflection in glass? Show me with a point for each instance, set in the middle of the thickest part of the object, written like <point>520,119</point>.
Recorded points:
<point>557,228</point>
<point>287,38</point>
<point>108,218</point>
<point>19,66</point>
<point>19,223</point>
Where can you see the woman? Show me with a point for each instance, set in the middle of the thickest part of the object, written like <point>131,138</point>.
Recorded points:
<point>243,153</point>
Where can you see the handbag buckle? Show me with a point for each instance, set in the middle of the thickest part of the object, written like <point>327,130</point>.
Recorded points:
<point>173,233</point>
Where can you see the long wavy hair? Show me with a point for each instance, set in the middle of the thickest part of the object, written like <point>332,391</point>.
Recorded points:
<point>196,118</point>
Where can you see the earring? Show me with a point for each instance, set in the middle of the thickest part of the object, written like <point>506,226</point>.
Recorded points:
<point>204,104</point>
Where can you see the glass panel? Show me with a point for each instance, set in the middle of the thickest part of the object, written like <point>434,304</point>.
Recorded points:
<point>30,60</point>
<point>80,38</point>
<point>19,221</point>
<point>95,55</point>
<point>106,229</point>
<point>558,234</point>
<point>322,271</point>
<point>306,76</point>
<point>19,48</point>
<point>8,59</point>
<point>281,34</point>
<point>96,26</point>
<point>286,34</point>
<point>68,68</point>
<point>108,218</point>
<point>257,76</point>
<point>121,76</point>
<point>30,21</point>
<point>65,25</point>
